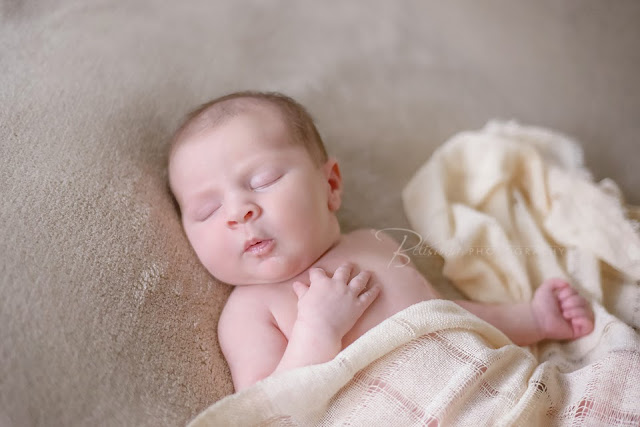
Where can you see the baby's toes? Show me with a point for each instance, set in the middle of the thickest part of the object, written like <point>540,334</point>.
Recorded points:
<point>581,325</point>
<point>565,293</point>
<point>556,284</point>
<point>572,301</point>
<point>575,313</point>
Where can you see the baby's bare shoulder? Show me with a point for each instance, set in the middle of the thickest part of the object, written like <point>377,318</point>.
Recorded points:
<point>254,296</point>
<point>246,303</point>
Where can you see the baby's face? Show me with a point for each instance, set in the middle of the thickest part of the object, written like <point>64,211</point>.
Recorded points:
<point>255,207</point>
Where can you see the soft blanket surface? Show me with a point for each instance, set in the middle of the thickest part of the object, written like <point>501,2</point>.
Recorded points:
<point>435,364</point>
<point>506,207</point>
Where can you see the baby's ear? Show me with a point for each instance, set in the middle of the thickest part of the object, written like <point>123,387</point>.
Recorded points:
<point>334,181</point>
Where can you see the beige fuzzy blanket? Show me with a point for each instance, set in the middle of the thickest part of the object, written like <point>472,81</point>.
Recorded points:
<point>505,207</point>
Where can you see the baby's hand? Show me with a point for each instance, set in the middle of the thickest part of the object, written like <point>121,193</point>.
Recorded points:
<point>332,305</point>
<point>560,311</point>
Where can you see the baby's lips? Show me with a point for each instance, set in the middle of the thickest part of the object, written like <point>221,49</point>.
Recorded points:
<point>259,247</point>
<point>251,242</point>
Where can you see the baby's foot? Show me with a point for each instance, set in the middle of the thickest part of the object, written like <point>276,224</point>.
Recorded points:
<point>560,312</point>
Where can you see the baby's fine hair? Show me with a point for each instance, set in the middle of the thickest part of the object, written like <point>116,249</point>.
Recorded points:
<point>217,111</point>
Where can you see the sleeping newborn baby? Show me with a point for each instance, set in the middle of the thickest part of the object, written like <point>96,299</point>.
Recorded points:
<point>258,197</point>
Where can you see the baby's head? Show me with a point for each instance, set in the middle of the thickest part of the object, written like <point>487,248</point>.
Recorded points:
<point>256,190</point>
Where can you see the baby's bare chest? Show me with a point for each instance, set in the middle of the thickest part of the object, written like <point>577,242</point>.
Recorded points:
<point>401,285</point>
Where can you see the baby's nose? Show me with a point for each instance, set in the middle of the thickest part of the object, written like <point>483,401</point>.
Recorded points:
<point>246,213</point>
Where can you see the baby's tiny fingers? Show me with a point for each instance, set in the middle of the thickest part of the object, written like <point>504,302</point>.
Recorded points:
<point>300,289</point>
<point>359,283</point>
<point>343,273</point>
<point>368,296</point>
<point>317,273</point>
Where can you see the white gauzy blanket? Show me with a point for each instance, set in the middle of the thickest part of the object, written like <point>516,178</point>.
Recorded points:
<point>506,207</point>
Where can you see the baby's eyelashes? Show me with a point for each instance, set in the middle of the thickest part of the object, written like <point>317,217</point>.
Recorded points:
<point>206,212</point>
<point>264,180</point>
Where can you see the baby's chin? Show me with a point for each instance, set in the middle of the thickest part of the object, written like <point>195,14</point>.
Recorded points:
<point>264,277</point>
<point>275,269</point>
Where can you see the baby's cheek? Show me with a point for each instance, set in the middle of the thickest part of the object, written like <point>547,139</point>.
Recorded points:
<point>310,204</point>
<point>208,247</point>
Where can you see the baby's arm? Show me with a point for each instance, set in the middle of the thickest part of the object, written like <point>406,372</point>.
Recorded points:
<point>557,311</point>
<point>254,346</point>
<point>327,309</point>
<point>249,338</point>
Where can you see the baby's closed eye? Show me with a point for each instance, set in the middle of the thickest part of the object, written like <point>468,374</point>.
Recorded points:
<point>264,179</point>
<point>206,211</point>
